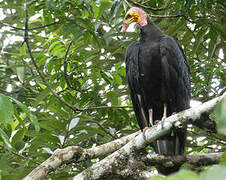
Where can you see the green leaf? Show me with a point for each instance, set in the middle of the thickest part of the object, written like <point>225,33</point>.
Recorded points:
<point>113,96</point>
<point>106,77</point>
<point>211,48</point>
<point>23,49</point>
<point>114,8</point>
<point>73,123</point>
<point>220,112</point>
<point>198,39</point>
<point>221,30</point>
<point>177,27</point>
<point>223,159</point>
<point>28,112</point>
<point>158,178</point>
<point>6,109</point>
<point>104,6</point>
<point>20,73</point>
<point>183,174</point>
<point>5,138</point>
<point>43,94</point>
<point>17,142</point>
<point>55,43</point>
<point>218,172</point>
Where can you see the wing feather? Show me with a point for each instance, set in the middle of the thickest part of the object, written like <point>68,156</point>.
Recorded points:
<point>175,73</point>
<point>133,80</point>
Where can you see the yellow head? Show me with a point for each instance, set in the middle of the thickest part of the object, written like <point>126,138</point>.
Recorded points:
<point>135,15</point>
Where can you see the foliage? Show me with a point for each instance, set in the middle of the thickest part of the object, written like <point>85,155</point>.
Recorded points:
<point>220,116</point>
<point>79,50</point>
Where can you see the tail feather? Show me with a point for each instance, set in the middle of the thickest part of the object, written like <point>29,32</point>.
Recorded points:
<point>170,145</point>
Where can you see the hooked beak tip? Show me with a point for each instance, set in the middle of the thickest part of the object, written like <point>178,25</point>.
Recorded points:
<point>124,27</point>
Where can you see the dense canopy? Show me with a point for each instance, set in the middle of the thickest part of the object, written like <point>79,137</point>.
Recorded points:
<point>63,79</point>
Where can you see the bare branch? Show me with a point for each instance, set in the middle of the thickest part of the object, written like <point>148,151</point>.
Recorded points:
<point>13,27</point>
<point>107,107</point>
<point>65,64</point>
<point>44,26</point>
<point>77,154</point>
<point>193,159</point>
<point>146,7</point>
<point>29,29</point>
<point>138,163</point>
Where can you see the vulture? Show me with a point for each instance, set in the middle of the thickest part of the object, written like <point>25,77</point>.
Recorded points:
<point>158,77</point>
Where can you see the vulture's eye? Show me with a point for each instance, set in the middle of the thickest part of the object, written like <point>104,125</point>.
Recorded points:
<point>128,16</point>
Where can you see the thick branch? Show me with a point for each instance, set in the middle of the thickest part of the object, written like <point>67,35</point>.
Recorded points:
<point>138,163</point>
<point>77,154</point>
<point>196,160</point>
<point>120,157</point>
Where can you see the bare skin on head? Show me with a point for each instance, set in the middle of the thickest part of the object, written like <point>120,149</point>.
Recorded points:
<point>135,15</point>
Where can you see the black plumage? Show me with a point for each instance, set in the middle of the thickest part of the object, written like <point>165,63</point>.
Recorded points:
<point>157,73</point>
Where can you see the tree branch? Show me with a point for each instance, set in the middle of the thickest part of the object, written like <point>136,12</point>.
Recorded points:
<point>146,7</point>
<point>138,163</point>
<point>65,64</point>
<point>29,29</point>
<point>107,107</point>
<point>120,157</point>
<point>77,154</point>
<point>193,159</point>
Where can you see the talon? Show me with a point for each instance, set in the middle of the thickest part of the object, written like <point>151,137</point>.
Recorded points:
<point>156,122</point>
<point>150,112</point>
<point>162,121</point>
<point>144,130</point>
<point>164,114</point>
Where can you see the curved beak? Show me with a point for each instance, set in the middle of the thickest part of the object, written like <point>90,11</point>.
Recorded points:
<point>126,23</point>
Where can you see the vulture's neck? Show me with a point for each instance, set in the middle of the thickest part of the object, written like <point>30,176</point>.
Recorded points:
<point>150,32</point>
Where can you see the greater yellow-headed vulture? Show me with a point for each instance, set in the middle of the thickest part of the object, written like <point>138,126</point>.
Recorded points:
<point>158,78</point>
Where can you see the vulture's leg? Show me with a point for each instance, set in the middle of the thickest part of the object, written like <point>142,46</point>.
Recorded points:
<point>150,112</point>
<point>164,113</point>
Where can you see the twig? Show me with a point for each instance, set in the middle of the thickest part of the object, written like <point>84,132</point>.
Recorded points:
<point>65,65</point>
<point>96,122</point>
<point>26,39</point>
<point>29,29</point>
<point>44,26</point>
<point>211,136</point>
<point>146,7</point>
<point>106,107</point>
<point>21,156</point>
<point>4,24</point>
<point>185,16</point>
